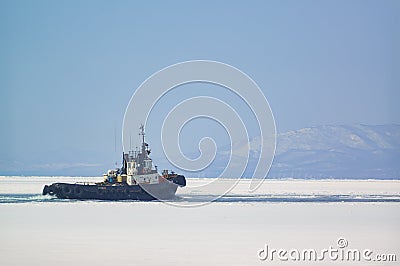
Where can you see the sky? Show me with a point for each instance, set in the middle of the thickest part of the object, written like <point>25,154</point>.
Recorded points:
<point>69,68</point>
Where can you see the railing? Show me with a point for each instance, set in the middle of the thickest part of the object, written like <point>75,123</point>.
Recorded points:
<point>86,183</point>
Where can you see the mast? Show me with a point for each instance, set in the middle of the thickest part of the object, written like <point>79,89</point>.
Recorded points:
<point>142,134</point>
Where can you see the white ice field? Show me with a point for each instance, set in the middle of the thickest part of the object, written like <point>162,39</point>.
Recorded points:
<point>287,215</point>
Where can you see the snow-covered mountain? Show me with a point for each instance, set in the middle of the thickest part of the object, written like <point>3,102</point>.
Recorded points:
<point>346,151</point>
<point>340,151</point>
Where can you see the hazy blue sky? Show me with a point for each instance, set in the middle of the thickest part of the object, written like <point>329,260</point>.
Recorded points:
<point>68,68</point>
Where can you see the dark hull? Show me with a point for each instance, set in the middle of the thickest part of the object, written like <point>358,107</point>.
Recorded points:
<point>165,190</point>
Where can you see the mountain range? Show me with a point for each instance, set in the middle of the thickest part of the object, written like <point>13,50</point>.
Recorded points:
<point>345,151</point>
<point>328,151</point>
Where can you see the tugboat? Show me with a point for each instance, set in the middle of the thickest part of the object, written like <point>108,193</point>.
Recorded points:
<point>135,180</point>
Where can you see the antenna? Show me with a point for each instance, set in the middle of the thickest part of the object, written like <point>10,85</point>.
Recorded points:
<point>115,140</point>
<point>115,146</point>
<point>142,132</point>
